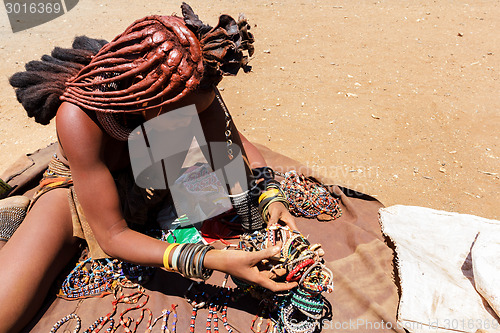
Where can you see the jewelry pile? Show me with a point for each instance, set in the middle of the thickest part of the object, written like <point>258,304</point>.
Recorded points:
<point>214,304</point>
<point>91,278</point>
<point>309,198</point>
<point>137,301</point>
<point>302,308</point>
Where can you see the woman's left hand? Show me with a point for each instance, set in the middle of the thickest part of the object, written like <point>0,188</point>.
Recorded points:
<point>278,212</point>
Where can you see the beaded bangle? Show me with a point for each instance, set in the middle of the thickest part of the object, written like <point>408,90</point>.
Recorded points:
<point>297,251</point>
<point>303,256</point>
<point>292,325</point>
<point>166,255</point>
<point>311,306</point>
<point>294,274</point>
<point>309,270</point>
<point>319,280</point>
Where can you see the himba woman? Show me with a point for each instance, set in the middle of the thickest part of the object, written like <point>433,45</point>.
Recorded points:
<point>98,93</point>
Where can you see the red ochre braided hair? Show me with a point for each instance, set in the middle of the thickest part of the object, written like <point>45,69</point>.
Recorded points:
<point>154,62</point>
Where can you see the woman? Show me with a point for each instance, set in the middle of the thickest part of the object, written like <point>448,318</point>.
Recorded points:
<point>157,65</point>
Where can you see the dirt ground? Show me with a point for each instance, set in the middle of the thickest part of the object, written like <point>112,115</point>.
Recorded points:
<point>398,99</point>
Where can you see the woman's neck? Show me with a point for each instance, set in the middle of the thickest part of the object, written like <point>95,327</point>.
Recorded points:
<point>202,101</point>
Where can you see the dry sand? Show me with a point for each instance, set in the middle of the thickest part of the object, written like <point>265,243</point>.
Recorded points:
<point>398,99</point>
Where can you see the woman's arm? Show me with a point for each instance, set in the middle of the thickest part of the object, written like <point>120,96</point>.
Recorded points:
<point>83,143</point>
<point>277,211</point>
<point>254,156</point>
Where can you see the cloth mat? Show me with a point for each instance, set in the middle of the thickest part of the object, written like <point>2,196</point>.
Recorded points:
<point>365,297</point>
<point>444,259</point>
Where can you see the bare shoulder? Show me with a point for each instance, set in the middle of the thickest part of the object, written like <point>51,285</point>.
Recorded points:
<point>79,136</point>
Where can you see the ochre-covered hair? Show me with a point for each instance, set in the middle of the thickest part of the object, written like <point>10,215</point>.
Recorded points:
<point>154,62</point>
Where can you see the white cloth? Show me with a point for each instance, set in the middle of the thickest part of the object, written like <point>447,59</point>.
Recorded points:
<point>437,263</point>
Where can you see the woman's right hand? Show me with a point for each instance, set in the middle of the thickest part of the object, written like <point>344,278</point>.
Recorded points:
<point>243,265</point>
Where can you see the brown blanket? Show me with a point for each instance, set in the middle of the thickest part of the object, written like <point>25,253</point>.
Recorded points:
<point>365,296</point>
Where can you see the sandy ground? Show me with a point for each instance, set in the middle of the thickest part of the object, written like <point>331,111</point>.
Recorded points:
<point>398,99</point>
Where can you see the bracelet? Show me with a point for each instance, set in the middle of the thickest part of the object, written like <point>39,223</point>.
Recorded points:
<point>188,259</point>
<point>175,256</point>
<point>264,205</point>
<point>269,193</point>
<point>192,255</point>
<point>265,173</point>
<point>183,257</point>
<point>205,273</point>
<point>294,274</point>
<point>186,255</point>
<point>166,255</point>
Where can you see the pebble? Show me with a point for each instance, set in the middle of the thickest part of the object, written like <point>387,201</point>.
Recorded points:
<point>267,51</point>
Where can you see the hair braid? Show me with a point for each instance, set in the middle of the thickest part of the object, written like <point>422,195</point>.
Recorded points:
<point>39,88</point>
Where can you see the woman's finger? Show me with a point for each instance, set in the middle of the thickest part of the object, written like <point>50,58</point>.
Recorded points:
<point>273,218</point>
<point>289,220</point>
<point>258,256</point>
<point>277,286</point>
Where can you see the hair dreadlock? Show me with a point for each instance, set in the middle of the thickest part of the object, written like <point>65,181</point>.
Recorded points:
<point>39,88</point>
<point>156,61</point>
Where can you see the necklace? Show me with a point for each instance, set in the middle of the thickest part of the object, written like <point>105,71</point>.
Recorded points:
<point>228,119</point>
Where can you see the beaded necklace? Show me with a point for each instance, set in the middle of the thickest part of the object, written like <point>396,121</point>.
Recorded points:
<point>138,300</point>
<point>200,300</point>
<point>92,278</point>
<point>309,198</point>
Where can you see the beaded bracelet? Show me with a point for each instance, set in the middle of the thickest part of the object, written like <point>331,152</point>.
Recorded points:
<point>65,320</point>
<point>295,326</point>
<point>318,280</point>
<point>294,274</point>
<point>312,307</point>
